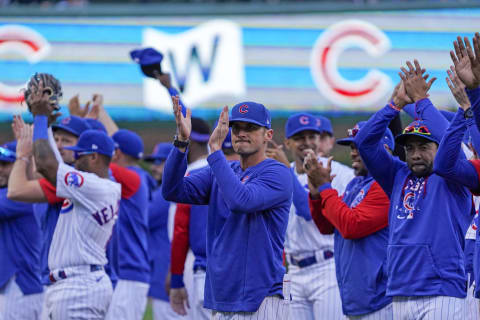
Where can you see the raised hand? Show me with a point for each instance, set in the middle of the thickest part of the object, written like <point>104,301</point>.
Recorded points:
<point>416,85</point>
<point>276,152</point>
<point>457,88</point>
<point>220,132</point>
<point>75,109</point>
<point>462,60</point>
<point>17,126</point>
<point>400,97</point>
<point>24,140</point>
<point>97,107</point>
<point>184,124</point>
<point>317,173</point>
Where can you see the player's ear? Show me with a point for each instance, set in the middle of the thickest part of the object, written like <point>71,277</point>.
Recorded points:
<point>269,134</point>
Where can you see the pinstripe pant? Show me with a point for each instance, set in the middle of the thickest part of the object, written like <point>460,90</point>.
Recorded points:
<point>163,311</point>
<point>429,308</point>
<point>85,296</point>
<point>17,306</point>
<point>272,308</point>
<point>129,300</point>
<point>315,293</point>
<point>472,303</point>
<point>386,313</point>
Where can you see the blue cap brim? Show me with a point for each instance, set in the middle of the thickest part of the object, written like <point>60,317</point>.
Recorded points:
<point>309,128</point>
<point>64,128</point>
<point>231,121</point>
<point>74,148</point>
<point>400,139</point>
<point>345,141</point>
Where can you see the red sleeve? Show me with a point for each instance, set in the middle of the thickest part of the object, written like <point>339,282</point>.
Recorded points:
<point>180,239</point>
<point>50,191</point>
<point>129,180</point>
<point>321,222</point>
<point>366,218</point>
<point>476,165</point>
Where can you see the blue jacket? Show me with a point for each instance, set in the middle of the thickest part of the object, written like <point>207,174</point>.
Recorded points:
<point>128,248</point>
<point>20,245</point>
<point>361,263</point>
<point>428,217</point>
<point>247,220</point>
<point>47,216</point>
<point>158,245</point>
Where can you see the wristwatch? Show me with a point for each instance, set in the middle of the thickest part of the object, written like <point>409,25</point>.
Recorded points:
<point>180,144</point>
<point>468,114</point>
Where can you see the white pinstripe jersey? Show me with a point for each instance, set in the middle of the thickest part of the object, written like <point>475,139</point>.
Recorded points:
<point>303,236</point>
<point>86,218</point>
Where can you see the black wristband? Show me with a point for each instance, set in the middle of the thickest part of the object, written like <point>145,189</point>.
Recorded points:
<point>468,114</point>
<point>180,144</point>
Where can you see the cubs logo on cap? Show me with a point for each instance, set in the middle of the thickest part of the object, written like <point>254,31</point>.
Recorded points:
<point>251,112</point>
<point>243,108</point>
<point>300,122</point>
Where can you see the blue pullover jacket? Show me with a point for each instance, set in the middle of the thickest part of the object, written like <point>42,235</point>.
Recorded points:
<point>20,245</point>
<point>428,216</point>
<point>247,220</point>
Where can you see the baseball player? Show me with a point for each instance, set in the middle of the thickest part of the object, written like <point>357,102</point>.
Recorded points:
<point>190,227</point>
<point>327,138</point>
<point>423,278</point>
<point>247,215</point>
<point>310,254</point>
<point>359,220</point>
<point>128,249</point>
<point>158,241</point>
<point>80,288</point>
<point>21,291</point>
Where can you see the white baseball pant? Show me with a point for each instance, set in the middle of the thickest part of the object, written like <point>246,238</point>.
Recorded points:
<point>429,308</point>
<point>199,312</point>
<point>163,311</point>
<point>129,300</point>
<point>16,305</point>
<point>386,313</point>
<point>472,302</point>
<point>272,308</point>
<point>315,293</point>
<point>83,296</point>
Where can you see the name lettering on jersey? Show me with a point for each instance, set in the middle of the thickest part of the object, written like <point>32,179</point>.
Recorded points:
<point>105,215</point>
<point>67,206</point>
<point>358,198</point>
<point>74,179</point>
<point>414,190</point>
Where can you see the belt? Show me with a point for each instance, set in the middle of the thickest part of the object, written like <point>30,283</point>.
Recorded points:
<point>305,262</point>
<point>65,273</point>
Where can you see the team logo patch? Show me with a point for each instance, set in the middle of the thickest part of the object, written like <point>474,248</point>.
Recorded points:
<point>304,120</point>
<point>66,120</point>
<point>67,206</point>
<point>243,108</point>
<point>74,179</point>
<point>408,200</point>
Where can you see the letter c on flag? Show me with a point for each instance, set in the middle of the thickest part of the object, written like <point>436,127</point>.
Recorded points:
<point>23,41</point>
<point>324,63</point>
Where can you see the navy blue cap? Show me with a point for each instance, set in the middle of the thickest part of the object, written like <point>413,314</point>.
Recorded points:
<point>149,60</point>
<point>325,124</point>
<point>417,128</point>
<point>387,137</point>
<point>8,151</point>
<point>94,141</point>
<point>227,143</point>
<point>129,143</point>
<point>160,152</point>
<point>72,124</point>
<point>301,122</point>
<point>251,112</point>
<point>96,125</point>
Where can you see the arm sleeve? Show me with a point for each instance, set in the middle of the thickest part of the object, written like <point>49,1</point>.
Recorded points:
<point>180,244</point>
<point>49,191</point>
<point>12,209</point>
<point>194,189</point>
<point>323,225</point>
<point>474,134</point>
<point>366,218</point>
<point>53,145</point>
<point>173,92</point>
<point>128,179</point>
<point>381,165</point>
<point>435,121</point>
<point>267,190</point>
<point>410,110</point>
<point>300,198</point>
<point>474,97</point>
<point>450,161</point>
